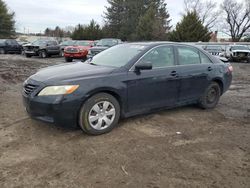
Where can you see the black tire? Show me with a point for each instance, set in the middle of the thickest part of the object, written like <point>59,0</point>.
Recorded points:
<point>2,51</point>
<point>61,54</point>
<point>68,59</point>
<point>27,55</point>
<point>211,96</point>
<point>231,59</point>
<point>84,59</point>
<point>43,54</point>
<point>87,107</point>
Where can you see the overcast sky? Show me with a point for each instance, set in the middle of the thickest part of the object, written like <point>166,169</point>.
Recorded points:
<point>37,15</point>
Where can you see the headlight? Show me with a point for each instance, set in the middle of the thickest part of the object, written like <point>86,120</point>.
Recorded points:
<point>58,90</point>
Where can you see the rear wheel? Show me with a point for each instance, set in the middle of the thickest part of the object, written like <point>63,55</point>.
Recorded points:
<point>211,96</point>
<point>68,59</point>
<point>99,114</point>
<point>43,54</point>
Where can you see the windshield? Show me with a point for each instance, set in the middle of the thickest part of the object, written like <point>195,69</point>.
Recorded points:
<point>39,42</point>
<point>2,41</point>
<point>107,42</point>
<point>69,43</point>
<point>117,56</point>
<point>83,43</point>
<point>239,48</point>
<point>213,48</point>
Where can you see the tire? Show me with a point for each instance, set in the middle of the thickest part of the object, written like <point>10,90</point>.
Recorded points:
<point>68,59</point>
<point>101,122</point>
<point>27,55</point>
<point>61,54</point>
<point>211,96</point>
<point>43,54</point>
<point>84,59</point>
<point>2,51</point>
<point>231,59</point>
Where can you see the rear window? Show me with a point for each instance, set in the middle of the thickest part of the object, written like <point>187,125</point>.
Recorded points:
<point>188,56</point>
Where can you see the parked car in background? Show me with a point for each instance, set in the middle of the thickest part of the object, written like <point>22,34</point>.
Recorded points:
<point>42,48</point>
<point>78,51</point>
<point>65,44</point>
<point>238,53</point>
<point>217,51</point>
<point>103,44</point>
<point>123,81</point>
<point>10,46</point>
<point>95,42</point>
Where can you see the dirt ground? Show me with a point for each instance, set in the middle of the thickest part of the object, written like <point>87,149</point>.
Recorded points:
<point>182,147</point>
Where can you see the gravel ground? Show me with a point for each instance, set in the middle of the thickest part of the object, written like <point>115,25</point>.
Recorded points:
<point>182,147</point>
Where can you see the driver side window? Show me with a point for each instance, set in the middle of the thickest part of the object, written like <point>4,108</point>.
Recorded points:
<point>160,57</point>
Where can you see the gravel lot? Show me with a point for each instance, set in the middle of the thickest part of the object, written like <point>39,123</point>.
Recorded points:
<point>182,147</point>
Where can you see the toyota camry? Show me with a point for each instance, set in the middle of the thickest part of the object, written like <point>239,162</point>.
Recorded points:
<point>125,80</point>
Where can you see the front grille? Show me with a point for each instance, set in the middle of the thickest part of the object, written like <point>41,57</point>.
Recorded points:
<point>242,54</point>
<point>29,88</point>
<point>71,50</point>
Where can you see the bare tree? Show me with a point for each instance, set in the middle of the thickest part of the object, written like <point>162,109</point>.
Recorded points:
<point>237,16</point>
<point>207,11</point>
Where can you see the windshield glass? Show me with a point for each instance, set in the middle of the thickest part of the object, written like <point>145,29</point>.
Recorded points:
<point>117,56</point>
<point>107,42</point>
<point>239,48</point>
<point>69,43</point>
<point>83,43</point>
<point>39,42</point>
<point>2,41</point>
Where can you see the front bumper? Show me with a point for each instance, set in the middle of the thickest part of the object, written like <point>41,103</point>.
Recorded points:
<point>61,110</point>
<point>33,53</point>
<point>75,55</point>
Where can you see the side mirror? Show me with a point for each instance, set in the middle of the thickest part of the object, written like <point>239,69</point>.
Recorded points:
<point>143,66</point>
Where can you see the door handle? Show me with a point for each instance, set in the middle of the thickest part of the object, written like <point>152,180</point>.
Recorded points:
<point>209,69</point>
<point>174,74</point>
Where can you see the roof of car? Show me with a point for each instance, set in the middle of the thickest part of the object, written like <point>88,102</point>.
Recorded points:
<point>156,43</point>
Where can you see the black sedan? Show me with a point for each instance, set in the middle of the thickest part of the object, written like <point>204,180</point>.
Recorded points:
<point>123,81</point>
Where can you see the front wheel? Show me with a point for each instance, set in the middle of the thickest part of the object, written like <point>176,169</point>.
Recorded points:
<point>43,54</point>
<point>99,114</point>
<point>211,96</point>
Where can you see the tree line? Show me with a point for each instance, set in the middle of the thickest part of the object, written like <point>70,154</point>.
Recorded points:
<point>146,20</point>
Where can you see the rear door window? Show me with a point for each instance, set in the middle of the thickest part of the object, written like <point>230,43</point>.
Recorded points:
<point>188,55</point>
<point>205,59</point>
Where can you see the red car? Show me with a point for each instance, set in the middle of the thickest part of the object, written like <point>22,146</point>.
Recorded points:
<point>78,51</point>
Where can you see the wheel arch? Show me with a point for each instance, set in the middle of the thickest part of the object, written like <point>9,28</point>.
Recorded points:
<point>220,82</point>
<point>107,90</point>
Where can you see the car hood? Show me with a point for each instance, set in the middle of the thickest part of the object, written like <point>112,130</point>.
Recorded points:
<point>99,48</point>
<point>79,47</point>
<point>30,45</point>
<point>69,72</point>
<point>248,51</point>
